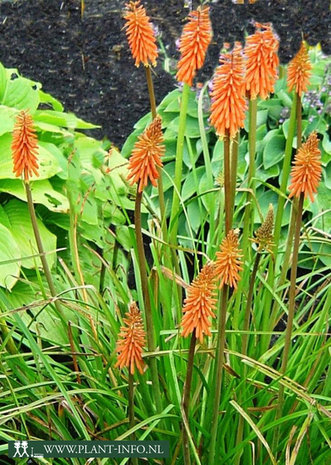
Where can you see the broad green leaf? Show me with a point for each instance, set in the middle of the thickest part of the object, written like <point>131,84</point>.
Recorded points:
<point>192,106</point>
<point>191,129</point>
<point>42,192</point>
<point>9,250</point>
<point>273,151</point>
<point>21,93</point>
<point>3,81</point>
<point>48,98</point>
<point>7,119</point>
<point>191,183</point>
<point>15,216</point>
<point>58,118</point>
<point>48,164</point>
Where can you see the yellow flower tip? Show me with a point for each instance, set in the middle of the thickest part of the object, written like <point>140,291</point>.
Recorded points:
<point>24,146</point>
<point>140,34</point>
<point>200,303</point>
<point>261,61</point>
<point>146,156</point>
<point>307,170</point>
<point>193,44</point>
<point>131,341</point>
<point>298,71</point>
<point>228,260</point>
<point>228,93</point>
<point>264,234</point>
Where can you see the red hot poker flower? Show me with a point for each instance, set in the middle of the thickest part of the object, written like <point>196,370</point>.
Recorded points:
<point>298,71</point>
<point>140,34</point>
<point>306,171</point>
<point>200,303</point>
<point>24,146</point>
<point>262,61</point>
<point>146,155</point>
<point>228,101</point>
<point>131,341</point>
<point>193,44</point>
<point>228,261</point>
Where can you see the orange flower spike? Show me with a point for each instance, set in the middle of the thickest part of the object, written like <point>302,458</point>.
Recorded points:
<point>228,261</point>
<point>298,71</point>
<point>146,155</point>
<point>228,100</point>
<point>306,171</point>
<point>261,61</point>
<point>24,146</point>
<point>200,303</point>
<point>140,34</point>
<point>131,341</point>
<point>193,44</point>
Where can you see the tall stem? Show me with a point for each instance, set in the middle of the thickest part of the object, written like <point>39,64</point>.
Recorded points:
<point>179,164</point>
<point>248,214</point>
<point>278,221</point>
<point>151,94</point>
<point>133,461</point>
<point>244,345</point>
<point>290,317</point>
<point>227,183</point>
<point>40,246</point>
<point>186,397</point>
<point>218,373</point>
<point>234,164</point>
<point>147,301</point>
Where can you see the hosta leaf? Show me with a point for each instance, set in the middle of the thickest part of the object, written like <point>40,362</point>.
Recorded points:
<point>273,151</point>
<point>9,250</point>
<point>58,118</point>
<point>15,216</point>
<point>21,93</point>
<point>3,81</point>
<point>42,192</point>
<point>48,164</point>
<point>7,119</point>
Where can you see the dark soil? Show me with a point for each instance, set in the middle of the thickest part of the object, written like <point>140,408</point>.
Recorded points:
<point>86,64</point>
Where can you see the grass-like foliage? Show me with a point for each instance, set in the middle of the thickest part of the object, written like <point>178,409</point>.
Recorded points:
<point>183,294</point>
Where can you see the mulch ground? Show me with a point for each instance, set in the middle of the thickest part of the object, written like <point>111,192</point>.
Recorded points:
<point>85,62</point>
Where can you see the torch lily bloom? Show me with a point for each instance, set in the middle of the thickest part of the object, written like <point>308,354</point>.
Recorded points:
<point>306,171</point>
<point>228,88</point>
<point>140,34</point>
<point>261,61</point>
<point>298,71</point>
<point>193,44</point>
<point>200,303</point>
<point>146,155</point>
<point>228,261</point>
<point>24,146</point>
<point>131,341</point>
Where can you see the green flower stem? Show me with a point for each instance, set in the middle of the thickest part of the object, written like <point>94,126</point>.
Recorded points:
<point>290,316</point>
<point>40,247</point>
<point>5,334</point>
<point>179,165</point>
<point>244,345</point>
<point>234,164</point>
<point>216,398</point>
<point>186,397</point>
<point>133,461</point>
<point>289,242</point>
<point>299,121</point>
<point>285,176</point>
<point>227,183</point>
<point>151,94</point>
<point>147,301</point>
<point>248,219</point>
<point>278,222</point>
